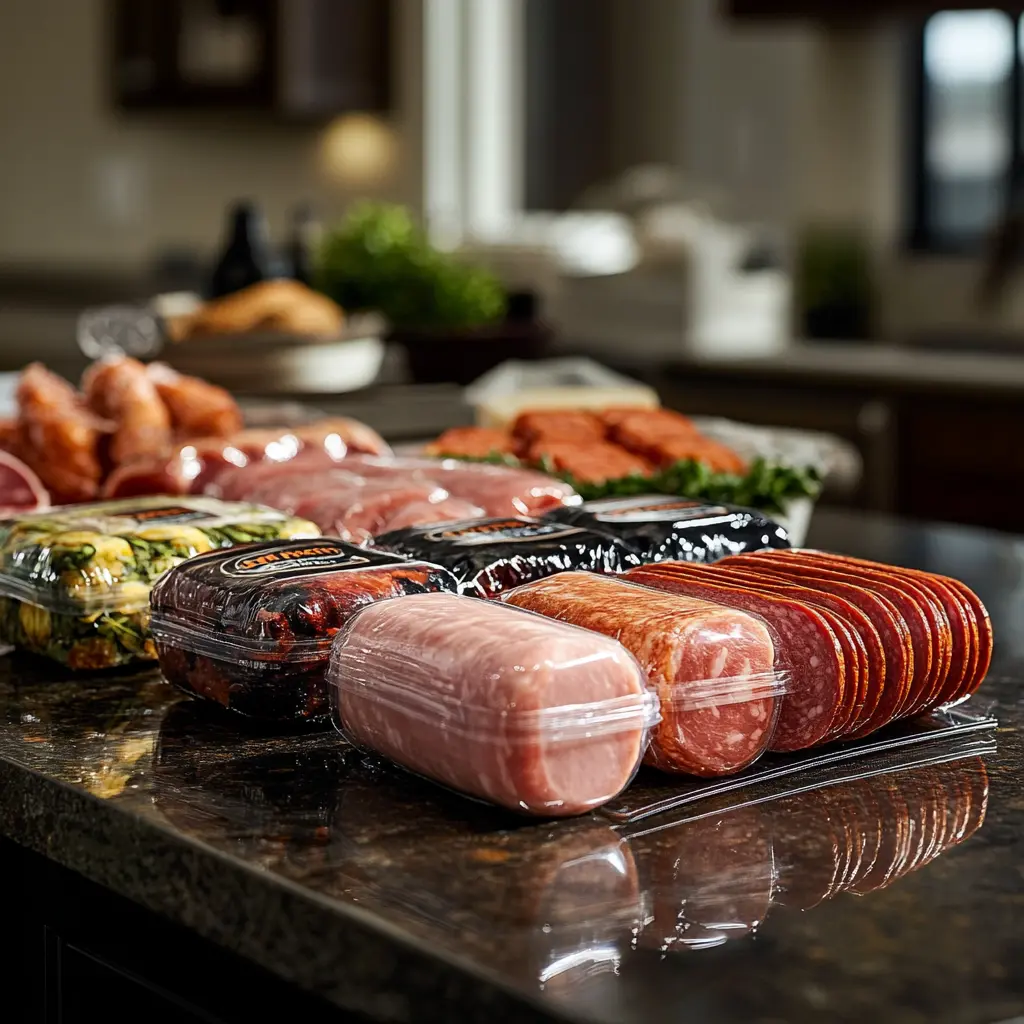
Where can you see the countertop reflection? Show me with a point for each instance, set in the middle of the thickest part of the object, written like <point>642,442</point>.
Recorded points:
<point>892,897</point>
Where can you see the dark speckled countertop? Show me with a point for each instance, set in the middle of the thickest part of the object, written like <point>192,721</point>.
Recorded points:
<point>893,898</point>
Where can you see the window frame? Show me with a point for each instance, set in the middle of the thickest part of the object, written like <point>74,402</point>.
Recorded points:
<point>921,234</point>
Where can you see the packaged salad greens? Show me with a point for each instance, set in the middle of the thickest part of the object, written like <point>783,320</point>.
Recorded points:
<point>75,581</point>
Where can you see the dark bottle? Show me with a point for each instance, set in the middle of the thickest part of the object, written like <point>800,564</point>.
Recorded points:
<point>247,257</point>
<point>302,243</point>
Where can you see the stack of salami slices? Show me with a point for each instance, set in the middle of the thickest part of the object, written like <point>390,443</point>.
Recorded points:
<point>865,644</point>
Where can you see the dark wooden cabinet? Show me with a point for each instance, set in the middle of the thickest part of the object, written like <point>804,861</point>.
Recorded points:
<point>76,953</point>
<point>293,58</point>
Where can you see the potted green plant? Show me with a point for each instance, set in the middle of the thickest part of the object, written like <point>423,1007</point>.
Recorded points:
<point>454,320</point>
<point>834,284</point>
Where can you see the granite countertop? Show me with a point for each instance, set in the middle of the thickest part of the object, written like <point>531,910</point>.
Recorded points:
<point>893,898</point>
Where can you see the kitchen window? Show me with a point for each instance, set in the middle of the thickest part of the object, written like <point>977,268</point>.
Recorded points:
<point>968,154</point>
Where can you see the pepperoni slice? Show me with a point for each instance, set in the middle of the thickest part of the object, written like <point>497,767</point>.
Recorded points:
<point>865,645</point>
<point>978,653</point>
<point>931,600</point>
<point>890,681</point>
<point>908,598</point>
<point>880,604</point>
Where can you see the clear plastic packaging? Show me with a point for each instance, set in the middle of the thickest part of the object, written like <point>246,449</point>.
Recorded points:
<point>498,490</point>
<point>529,714</point>
<point>211,465</point>
<point>929,739</point>
<point>713,667</point>
<point>251,630</point>
<point>75,581</point>
<point>660,527</point>
<point>491,556</point>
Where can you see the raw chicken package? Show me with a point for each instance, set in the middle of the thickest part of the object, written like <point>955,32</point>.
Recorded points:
<point>524,712</point>
<point>659,527</point>
<point>251,629</point>
<point>75,581</point>
<point>490,556</point>
<point>712,667</point>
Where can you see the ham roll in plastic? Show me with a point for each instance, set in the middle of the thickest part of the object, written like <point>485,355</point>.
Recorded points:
<point>527,713</point>
<point>713,667</point>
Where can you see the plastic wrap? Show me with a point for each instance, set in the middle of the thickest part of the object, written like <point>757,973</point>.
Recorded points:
<point>490,556</point>
<point>661,527</point>
<point>529,714</point>
<point>498,490</point>
<point>75,581</point>
<point>206,465</point>
<point>251,629</point>
<point>931,739</point>
<point>713,667</point>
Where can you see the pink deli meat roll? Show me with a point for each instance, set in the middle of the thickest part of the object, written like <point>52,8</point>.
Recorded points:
<point>527,713</point>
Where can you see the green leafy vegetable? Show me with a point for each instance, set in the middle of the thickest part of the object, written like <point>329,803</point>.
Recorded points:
<point>766,486</point>
<point>379,259</point>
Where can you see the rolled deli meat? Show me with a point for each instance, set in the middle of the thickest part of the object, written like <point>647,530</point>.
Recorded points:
<point>525,712</point>
<point>713,667</point>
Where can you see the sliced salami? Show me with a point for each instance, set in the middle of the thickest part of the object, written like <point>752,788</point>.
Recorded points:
<point>905,595</point>
<point>874,683</point>
<point>892,684</point>
<point>977,652</point>
<point>928,693</point>
<point>808,648</point>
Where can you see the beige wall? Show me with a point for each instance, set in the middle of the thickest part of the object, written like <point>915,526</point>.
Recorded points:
<point>80,183</point>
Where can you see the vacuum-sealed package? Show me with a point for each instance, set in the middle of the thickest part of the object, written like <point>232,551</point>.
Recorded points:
<point>251,629</point>
<point>659,527</point>
<point>490,556</point>
<point>75,581</point>
<point>524,712</point>
<point>712,667</point>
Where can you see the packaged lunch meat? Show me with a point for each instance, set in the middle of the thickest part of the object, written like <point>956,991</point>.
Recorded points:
<point>712,667</point>
<point>75,581</point>
<point>251,629</point>
<point>659,527</point>
<point>498,490</point>
<point>531,714</point>
<point>206,465</point>
<point>490,556</point>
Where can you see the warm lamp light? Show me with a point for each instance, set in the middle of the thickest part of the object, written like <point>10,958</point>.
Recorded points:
<point>357,150</point>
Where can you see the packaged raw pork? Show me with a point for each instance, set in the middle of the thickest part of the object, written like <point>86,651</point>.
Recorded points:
<point>498,490</point>
<point>713,667</point>
<point>75,581</point>
<point>251,629</point>
<point>197,466</point>
<point>355,509</point>
<point>659,527</point>
<point>527,713</point>
<point>490,556</point>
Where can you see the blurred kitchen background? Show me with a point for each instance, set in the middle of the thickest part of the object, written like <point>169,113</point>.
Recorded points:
<point>788,212</point>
